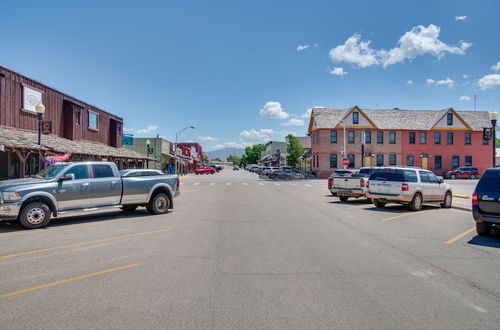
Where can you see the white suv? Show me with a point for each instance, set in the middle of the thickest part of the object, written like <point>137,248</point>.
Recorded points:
<point>410,186</point>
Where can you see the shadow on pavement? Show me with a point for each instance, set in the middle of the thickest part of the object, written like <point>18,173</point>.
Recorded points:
<point>492,241</point>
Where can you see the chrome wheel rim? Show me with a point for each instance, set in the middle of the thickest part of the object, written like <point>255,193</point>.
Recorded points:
<point>418,202</point>
<point>448,200</point>
<point>36,216</point>
<point>161,204</point>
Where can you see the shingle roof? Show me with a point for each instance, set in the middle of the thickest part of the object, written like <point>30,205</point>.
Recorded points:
<point>16,138</point>
<point>399,119</point>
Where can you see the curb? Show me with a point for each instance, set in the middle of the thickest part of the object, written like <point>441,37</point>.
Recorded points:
<point>462,196</point>
<point>462,208</point>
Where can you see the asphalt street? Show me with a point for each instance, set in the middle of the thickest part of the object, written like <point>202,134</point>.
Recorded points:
<point>238,252</point>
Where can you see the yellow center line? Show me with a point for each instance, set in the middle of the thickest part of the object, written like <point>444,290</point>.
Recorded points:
<point>71,279</point>
<point>406,215</point>
<point>459,236</point>
<point>81,243</point>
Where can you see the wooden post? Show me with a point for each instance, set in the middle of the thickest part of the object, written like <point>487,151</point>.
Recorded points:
<point>22,156</point>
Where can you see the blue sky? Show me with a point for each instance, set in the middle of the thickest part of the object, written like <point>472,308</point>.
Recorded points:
<point>234,69</point>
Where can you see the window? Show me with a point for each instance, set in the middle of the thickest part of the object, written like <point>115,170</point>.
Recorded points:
<point>380,160</point>
<point>102,171</point>
<point>350,137</point>
<point>449,137</point>
<point>392,159</point>
<point>333,136</point>
<point>410,161</point>
<point>468,161</point>
<point>424,177</point>
<point>468,138</point>
<point>449,118</point>
<point>437,162</point>
<point>423,137</point>
<point>410,176</point>
<point>380,137</point>
<point>352,159</point>
<point>355,118</point>
<point>317,160</point>
<point>412,137</point>
<point>80,172</point>
<point>437,137</point>
<point>486,142</point>
<point>368,137</point>
<point>78,117</point>
<point>489,182</point>
<point>455,161</point>
<point>432,177</point>
<point>333,160</point>
<point>93,120</point>
<point>392,137</point>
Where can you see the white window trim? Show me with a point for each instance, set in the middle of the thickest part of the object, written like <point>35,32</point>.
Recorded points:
<point>97,121</point>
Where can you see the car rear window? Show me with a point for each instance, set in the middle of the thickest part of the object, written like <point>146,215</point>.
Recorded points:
<point>490,182</point>
<point>387,175</point>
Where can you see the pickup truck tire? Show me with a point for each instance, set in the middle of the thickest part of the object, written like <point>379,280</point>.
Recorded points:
<point>378,203</point>
<point>35,215</point>
<point>483,229</point>
<point>159,204</point>
<point>343,198</point>
<point>129,208</point>
<point>416,202</point>
<point>447,201</point>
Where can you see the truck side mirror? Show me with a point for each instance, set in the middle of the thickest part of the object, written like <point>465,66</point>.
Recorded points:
<point>67,177</point>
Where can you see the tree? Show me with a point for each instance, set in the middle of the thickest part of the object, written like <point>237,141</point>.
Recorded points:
<point>294,150</point>
<point>252,154</point>
<point>206,160</point>
<point>236,160</point>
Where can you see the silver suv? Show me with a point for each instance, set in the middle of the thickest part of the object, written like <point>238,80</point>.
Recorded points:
<point>410,186</point>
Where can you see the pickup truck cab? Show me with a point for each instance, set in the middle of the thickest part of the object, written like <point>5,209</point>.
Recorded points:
<point>354,185</point>
<point>84,187</point>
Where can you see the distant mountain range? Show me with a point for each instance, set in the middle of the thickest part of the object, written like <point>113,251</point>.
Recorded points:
<point>223,153</point>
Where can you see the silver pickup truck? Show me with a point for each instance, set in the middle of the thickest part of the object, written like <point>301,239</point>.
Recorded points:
<point>84,187</point>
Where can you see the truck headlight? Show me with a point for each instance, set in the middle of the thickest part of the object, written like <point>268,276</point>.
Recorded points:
<point>10,196</point>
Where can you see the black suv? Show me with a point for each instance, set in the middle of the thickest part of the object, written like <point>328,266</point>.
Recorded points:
<point>486,202</point>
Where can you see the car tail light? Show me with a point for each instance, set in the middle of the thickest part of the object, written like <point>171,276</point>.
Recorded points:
<point>367,184</point>
<point>474,199</point>
<point>178,182</point>
<point>330,181</point>
<point>362,183</point>
<point>404,187</point>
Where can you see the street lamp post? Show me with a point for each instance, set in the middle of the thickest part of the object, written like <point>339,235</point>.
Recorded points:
<point>494,118</point>
<point>176,138</point>
<point>40,110</point>
<point>344,151</point>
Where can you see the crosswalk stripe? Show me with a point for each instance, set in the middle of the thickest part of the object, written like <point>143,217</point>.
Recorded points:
<point>307,185</point>
<point>276,184</point>
<point>244,183</point>
<point>261,183</point>
<point>212,184</point>
<point>228,183</point>
<point>196,183</point>
<point>293,184</point>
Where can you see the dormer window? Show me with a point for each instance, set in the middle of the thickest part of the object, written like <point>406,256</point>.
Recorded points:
<point>449,117</point>
<point>355,118</point>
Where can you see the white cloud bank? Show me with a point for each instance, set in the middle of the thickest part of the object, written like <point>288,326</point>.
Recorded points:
<point>231,144</point>
<point>148,130</point>
<point>302,47</point>
<point>273,110</point>
<point>207,139</point>
<point>460,18</point>
<point>409,82</point>
<point>445,82</point>
<point>464,98</point>
<point>338,72</point>
<point>496,67</point>
<point>419,41</point>
<point>294,122</point>
<point>489,81</point>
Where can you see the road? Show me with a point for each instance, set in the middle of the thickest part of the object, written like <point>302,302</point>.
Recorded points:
<point>239,253</point>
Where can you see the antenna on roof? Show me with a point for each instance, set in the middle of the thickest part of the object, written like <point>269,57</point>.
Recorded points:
<point>377,105</point>
<point>475,100</point>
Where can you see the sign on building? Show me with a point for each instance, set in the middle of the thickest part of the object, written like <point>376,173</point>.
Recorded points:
<point>31,98</point>
<point>128,140</point>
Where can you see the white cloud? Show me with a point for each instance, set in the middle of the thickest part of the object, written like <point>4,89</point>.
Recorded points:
<point>464,98</point>
<point>231,144</point>
<point>307,114</point>
<point>316,45</point>
<point>419,41</point>
<point>489,81</point>
<point>496,67</point>
<point>460,18</point>
<point>409,82</point>
<point>261,135</point>
<point>273,110</point>
<point>465,76</point>
<point>128,130</point>
<point>355,51</point>
<point>207,139</point>
<point>294,122</point>
<point>148,130</point>
<point>445,82</point>
<point>338,72</point>
<point>302,47</point>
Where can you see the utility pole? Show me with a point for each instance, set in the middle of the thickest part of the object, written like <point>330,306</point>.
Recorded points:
<point>475,100</point>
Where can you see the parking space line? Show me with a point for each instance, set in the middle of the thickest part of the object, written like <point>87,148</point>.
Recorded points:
<point>245,184</point>
<point>293,185</point>
<point>276,184</point>
<point>459,236</point>
<point>71,279</point>
<point>81,243</point>
<point>260,183</point>
<point>212,183</point>
<point>405,215</point>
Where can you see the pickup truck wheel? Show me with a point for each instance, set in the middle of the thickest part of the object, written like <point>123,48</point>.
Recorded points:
<point>416,202</point>
<point>378,203</point>
<point>483,229</point>
<point>343,198</point>
<point>447,201</point>
<point>159,204</point>
<point>129,208</point>
<point>35,215</point>
<point>453,177</point>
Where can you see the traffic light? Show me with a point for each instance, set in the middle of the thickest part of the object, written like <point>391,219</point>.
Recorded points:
<point>487,133</point>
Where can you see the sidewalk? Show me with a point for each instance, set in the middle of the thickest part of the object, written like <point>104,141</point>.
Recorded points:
<point>462,192</point>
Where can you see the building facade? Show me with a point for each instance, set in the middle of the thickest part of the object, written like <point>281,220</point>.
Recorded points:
<point>195,159</point>
<point>161,150</point>
<point>71,127</point>
<point>275,154</point>
<point>436,140</point>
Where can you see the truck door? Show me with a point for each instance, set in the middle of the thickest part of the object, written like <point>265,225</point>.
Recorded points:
<point>75,194</point>
<point>106,185</point>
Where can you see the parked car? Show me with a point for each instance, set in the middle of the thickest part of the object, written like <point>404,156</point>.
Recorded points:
<point>408,186</point>
<point>218,168</point>
<point>285,175</point>
<point>337,173</point>
<point>70,188</point>
<point>236,168</point>
<point>353,185</point>
<point>486,202</point>
<point>462,173</point>
<point>205,170</point>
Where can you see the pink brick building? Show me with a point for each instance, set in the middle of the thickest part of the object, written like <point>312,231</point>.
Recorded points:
<point>438,140</point>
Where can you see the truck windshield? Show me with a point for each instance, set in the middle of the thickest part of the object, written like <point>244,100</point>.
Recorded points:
<point>50,172</point>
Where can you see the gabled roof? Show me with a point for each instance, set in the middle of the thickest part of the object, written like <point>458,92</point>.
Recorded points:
<point>397,119</point>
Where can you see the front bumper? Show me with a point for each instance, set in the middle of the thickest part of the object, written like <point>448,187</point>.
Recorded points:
<point>10,211</point>
<point>402,198</point>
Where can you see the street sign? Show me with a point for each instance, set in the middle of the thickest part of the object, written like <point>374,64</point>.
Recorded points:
<point>345,161</point>
<point>128,140</point>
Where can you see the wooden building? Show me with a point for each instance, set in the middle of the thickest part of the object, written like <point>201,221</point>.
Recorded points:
<point>70,126</point>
